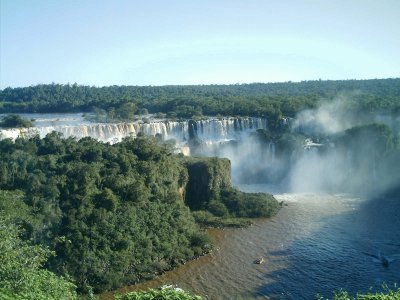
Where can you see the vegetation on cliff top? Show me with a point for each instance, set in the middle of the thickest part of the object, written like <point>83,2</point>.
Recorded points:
<point>215,202</point>
<point>117,214</point>
<point>14,121</point>
<point>113,214</point>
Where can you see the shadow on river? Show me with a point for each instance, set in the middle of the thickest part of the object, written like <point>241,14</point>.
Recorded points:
<point>316,244</point>
<point>338,255</point>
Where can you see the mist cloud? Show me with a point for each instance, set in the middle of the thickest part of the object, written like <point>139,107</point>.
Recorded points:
<point>329,118</point>
<point>335,162</point>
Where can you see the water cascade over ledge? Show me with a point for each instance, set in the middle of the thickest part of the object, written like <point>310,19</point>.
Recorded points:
<point>210,130</point>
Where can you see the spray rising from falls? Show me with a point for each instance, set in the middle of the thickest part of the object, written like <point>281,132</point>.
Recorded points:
<point>348,150</point>
<point>314,152</point>
<point>208,130</point>
<point>105,132</point>
<point>222,137</point>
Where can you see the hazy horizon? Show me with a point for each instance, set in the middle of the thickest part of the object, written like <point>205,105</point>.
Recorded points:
<point>196,43</point>
<point>200,84</point>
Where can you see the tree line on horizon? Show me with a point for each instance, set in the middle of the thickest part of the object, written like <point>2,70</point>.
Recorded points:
<point>272,100</point>
<point>113,214</point>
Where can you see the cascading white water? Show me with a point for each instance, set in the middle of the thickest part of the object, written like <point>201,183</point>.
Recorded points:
<point>222,137</point>
<point>212,130</point>
<point>272,152</point>
<point>209,130</point>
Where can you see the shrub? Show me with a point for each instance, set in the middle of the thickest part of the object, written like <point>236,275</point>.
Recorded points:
<point>161,294</point>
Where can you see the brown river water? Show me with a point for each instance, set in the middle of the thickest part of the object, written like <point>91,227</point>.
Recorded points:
<point>316,244</point>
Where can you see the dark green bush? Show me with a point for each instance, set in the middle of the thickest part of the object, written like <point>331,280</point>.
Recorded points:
<point>11,121</point>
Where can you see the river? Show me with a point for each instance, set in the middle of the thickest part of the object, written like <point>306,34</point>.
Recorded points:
<point>316,244</point>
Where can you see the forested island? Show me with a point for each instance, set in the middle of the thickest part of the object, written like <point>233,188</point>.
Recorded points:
<point>104,215</point>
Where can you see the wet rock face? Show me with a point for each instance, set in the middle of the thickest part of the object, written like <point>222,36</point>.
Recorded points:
<point>207,177</point>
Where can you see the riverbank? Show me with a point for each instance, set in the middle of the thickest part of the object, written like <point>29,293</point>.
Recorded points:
<point>310,247</point>
<point>218,237</point>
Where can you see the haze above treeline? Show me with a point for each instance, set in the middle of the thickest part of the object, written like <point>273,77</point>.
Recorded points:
<point>191,42</point>
<point>272,100</point>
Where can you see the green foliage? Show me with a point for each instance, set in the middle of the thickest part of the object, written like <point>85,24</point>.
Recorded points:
<point>208,220</point>
<point>387,294</point>
<point>126,112</point>
<point>143,111</point>
<point>249,205</point>
<point>379,136</point>
<point>374,152</point>
<point>113,214</point>
<point>21,272</point>
<point>161,115</point>
<point>161,294</point>
<point>217,208</point>
<point>270,100</point>
<point>11,121</point>
<point>215,202</point>
<point>285,142</point>
<point>207,176</point>
<point>18,212</point>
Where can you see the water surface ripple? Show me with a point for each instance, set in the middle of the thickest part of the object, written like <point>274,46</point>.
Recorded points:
<point>316,244</point>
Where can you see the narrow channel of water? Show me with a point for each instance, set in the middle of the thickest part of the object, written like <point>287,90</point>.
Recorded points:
<point>316,244</point>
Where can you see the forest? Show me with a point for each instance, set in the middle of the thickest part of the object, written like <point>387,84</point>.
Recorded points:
<point>110,215</point>
<point>271,100</point>
<point>82,216</point>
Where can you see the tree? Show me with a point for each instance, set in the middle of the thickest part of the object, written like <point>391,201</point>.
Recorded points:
<point>127,111</point>
<point>21,272</point>
<point>15,121</point>
<point>143,111</point>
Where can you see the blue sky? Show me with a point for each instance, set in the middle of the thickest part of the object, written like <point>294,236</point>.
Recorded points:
<point>129,42</point>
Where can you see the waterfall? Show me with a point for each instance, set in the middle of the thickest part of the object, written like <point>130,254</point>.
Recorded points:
<point>209,130</point>
<point>226,129</point>
<point>222,137</point>
<point>272,152</point>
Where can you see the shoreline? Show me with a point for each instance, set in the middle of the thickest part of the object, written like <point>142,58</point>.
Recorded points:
<point>217,235</point>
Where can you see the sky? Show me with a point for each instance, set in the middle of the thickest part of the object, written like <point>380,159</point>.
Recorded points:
<point>163,42</point>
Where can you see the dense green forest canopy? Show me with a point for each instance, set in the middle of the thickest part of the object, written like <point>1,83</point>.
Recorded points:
<point>113,214</point>
<point>22,276</point>
<point>257,99</point>
<point>14,121</point>
<point>117,214</point>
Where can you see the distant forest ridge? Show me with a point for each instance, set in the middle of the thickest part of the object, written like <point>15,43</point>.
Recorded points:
<point>185,101</point>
